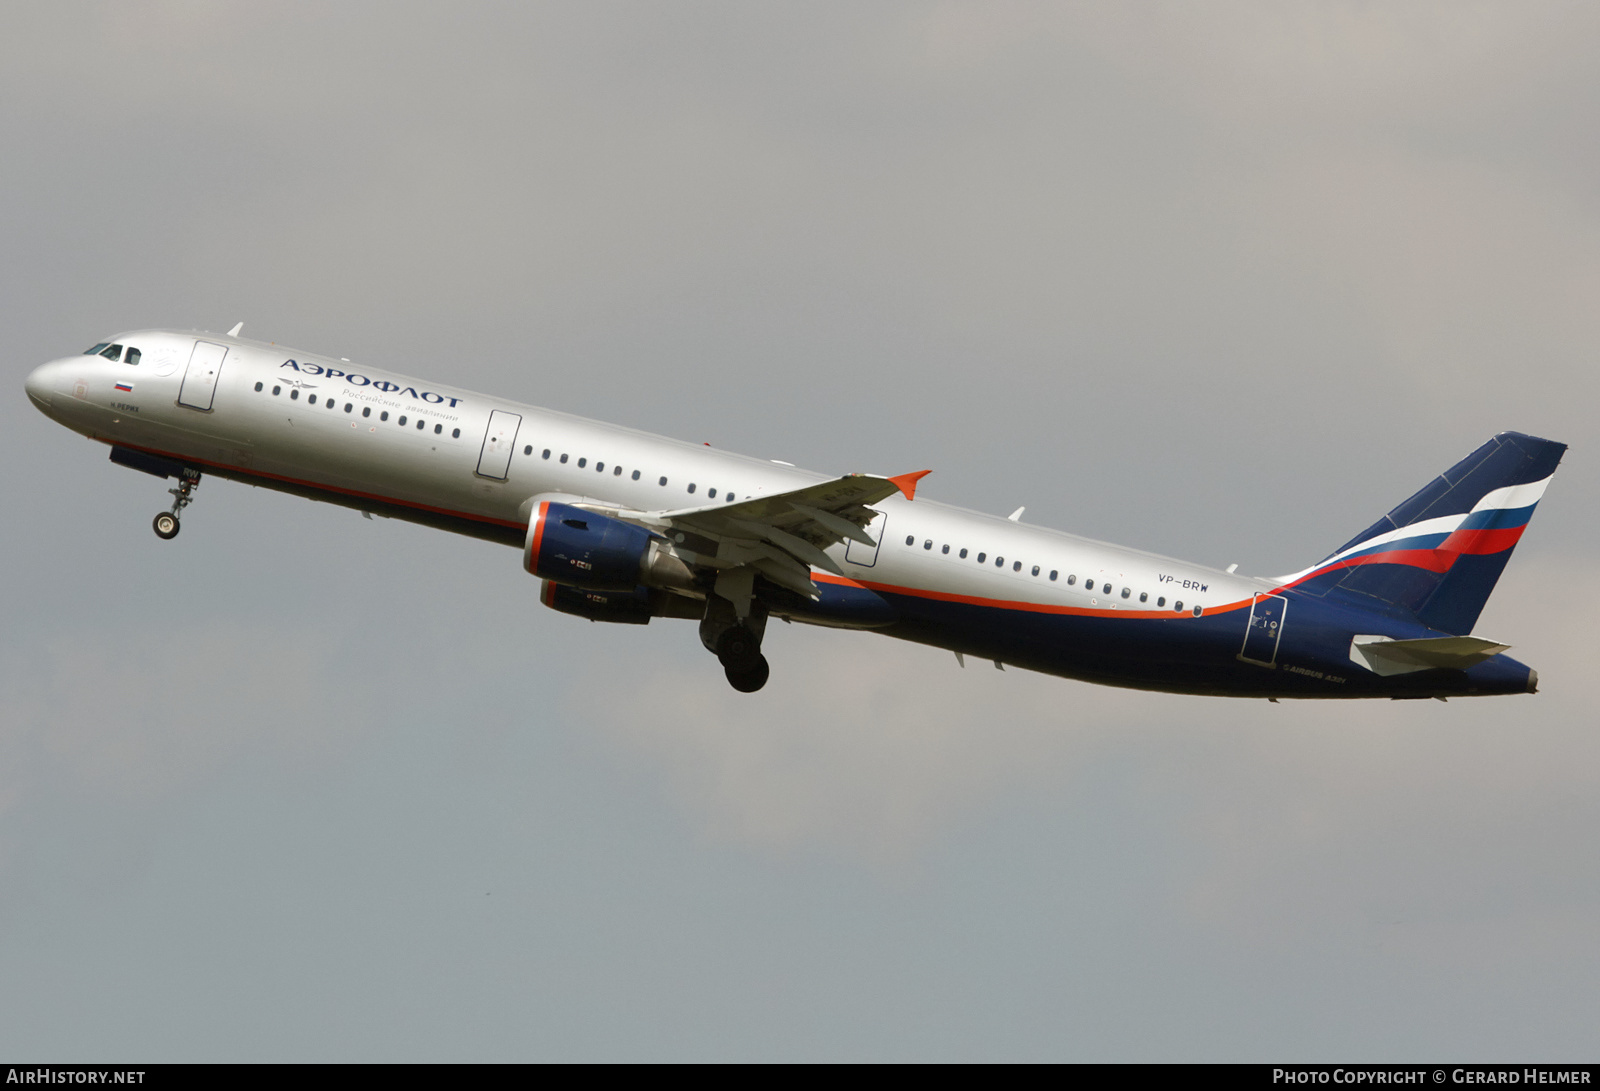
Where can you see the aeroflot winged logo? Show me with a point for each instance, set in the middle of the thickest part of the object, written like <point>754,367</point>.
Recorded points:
<point>377,384</point>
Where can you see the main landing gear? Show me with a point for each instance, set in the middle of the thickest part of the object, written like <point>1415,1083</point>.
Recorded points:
<point>736,642</point>
<point>166,524</point>
<point>739,651</point>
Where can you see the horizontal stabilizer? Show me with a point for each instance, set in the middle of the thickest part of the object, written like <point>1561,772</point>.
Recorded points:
<point>1383,656</point>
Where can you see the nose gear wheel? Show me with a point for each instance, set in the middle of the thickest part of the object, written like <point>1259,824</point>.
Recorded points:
<point>167,523</point>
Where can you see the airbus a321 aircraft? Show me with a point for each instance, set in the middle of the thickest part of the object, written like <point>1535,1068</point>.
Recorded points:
<point>623,526</point>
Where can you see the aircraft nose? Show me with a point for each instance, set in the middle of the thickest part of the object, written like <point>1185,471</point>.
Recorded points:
<point>41,384</point>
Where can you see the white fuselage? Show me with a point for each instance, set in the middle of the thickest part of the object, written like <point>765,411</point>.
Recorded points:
<point>280,416</point>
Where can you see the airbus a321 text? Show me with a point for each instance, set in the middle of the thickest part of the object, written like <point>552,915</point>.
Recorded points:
<point>623,526</point>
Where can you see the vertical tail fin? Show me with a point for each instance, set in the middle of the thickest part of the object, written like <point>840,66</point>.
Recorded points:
<point>1441,552</point>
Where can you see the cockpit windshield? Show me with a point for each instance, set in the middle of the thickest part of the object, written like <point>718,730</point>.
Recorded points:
<point>113,352</point>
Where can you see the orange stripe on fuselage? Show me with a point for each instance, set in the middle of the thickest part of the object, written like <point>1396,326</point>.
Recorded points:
<point>820,577</point>
<point>1019,605</point>
<point>248,472</point>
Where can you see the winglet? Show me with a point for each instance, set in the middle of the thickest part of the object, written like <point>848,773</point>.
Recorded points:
<point>907,483</point>
<point>235,331</point>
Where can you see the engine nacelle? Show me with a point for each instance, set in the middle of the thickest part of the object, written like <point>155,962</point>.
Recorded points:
<point>630,607</point>
<point>633,607</point>
<point>578,548</point>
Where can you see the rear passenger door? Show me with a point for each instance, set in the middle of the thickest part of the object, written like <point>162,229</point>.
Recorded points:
<point>864,555</point>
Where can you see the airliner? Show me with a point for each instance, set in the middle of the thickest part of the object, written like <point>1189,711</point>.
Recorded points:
<point>625,527</point>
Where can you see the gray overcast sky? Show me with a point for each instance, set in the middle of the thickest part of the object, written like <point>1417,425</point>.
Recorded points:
<point>1224,281</point>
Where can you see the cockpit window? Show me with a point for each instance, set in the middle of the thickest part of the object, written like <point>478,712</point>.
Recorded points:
<point>96,350</point>
<point>133,356</point>
<point>112,352</point>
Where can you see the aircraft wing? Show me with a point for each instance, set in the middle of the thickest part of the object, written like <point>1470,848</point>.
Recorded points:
<point>782,535</point>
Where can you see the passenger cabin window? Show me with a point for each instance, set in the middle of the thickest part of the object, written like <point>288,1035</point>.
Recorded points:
<point>1017,567</point>
<point>402,421</point>
<point>348,407</point>
<point>911,539</point>
<point>1126,591</point>
<point>617,472</point>
<point>636,475</point>
<point>294,394</point>
<point>1106,590</point>
<point>563,460</point>
<point>421,424</point>
<point>711,493</point>
<point>982,557</point>
<point>691,486</point>
<point>311,399</point>
<point>945,550</point>
<point>366,410</point>
<point>663,482</point>
<point>599,467</point>
<point>1035,570</point>
<point>546,452</point>
<point>928,544</point>
<point>1162,601</point>
<point>455,433</point>
<point>1144,596</point>
<point>258,388</point>
<point>1178,606</point>
<point>438,429</point>
<point>582,462</point>
<point>999,562</point>
<point>276,391</point>
<point>383,415</point>
<point>1071,579</point>
<point>963,554</point>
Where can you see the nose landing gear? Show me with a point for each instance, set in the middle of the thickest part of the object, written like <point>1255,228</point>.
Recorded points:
<point>166,524</point>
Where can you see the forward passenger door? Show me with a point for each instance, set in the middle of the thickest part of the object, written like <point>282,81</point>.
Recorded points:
<point>498,443</point>
<point>200,381</point>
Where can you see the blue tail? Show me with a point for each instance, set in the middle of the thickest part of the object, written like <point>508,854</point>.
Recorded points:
<point>1439,554</point>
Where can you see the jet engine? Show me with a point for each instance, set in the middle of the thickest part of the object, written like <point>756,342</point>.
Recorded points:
<point>567,545</point>
<point>630,607</point>
<point>633,607</point>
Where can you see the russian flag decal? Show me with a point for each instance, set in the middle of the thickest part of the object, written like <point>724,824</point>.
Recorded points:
<point>126,388</point>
